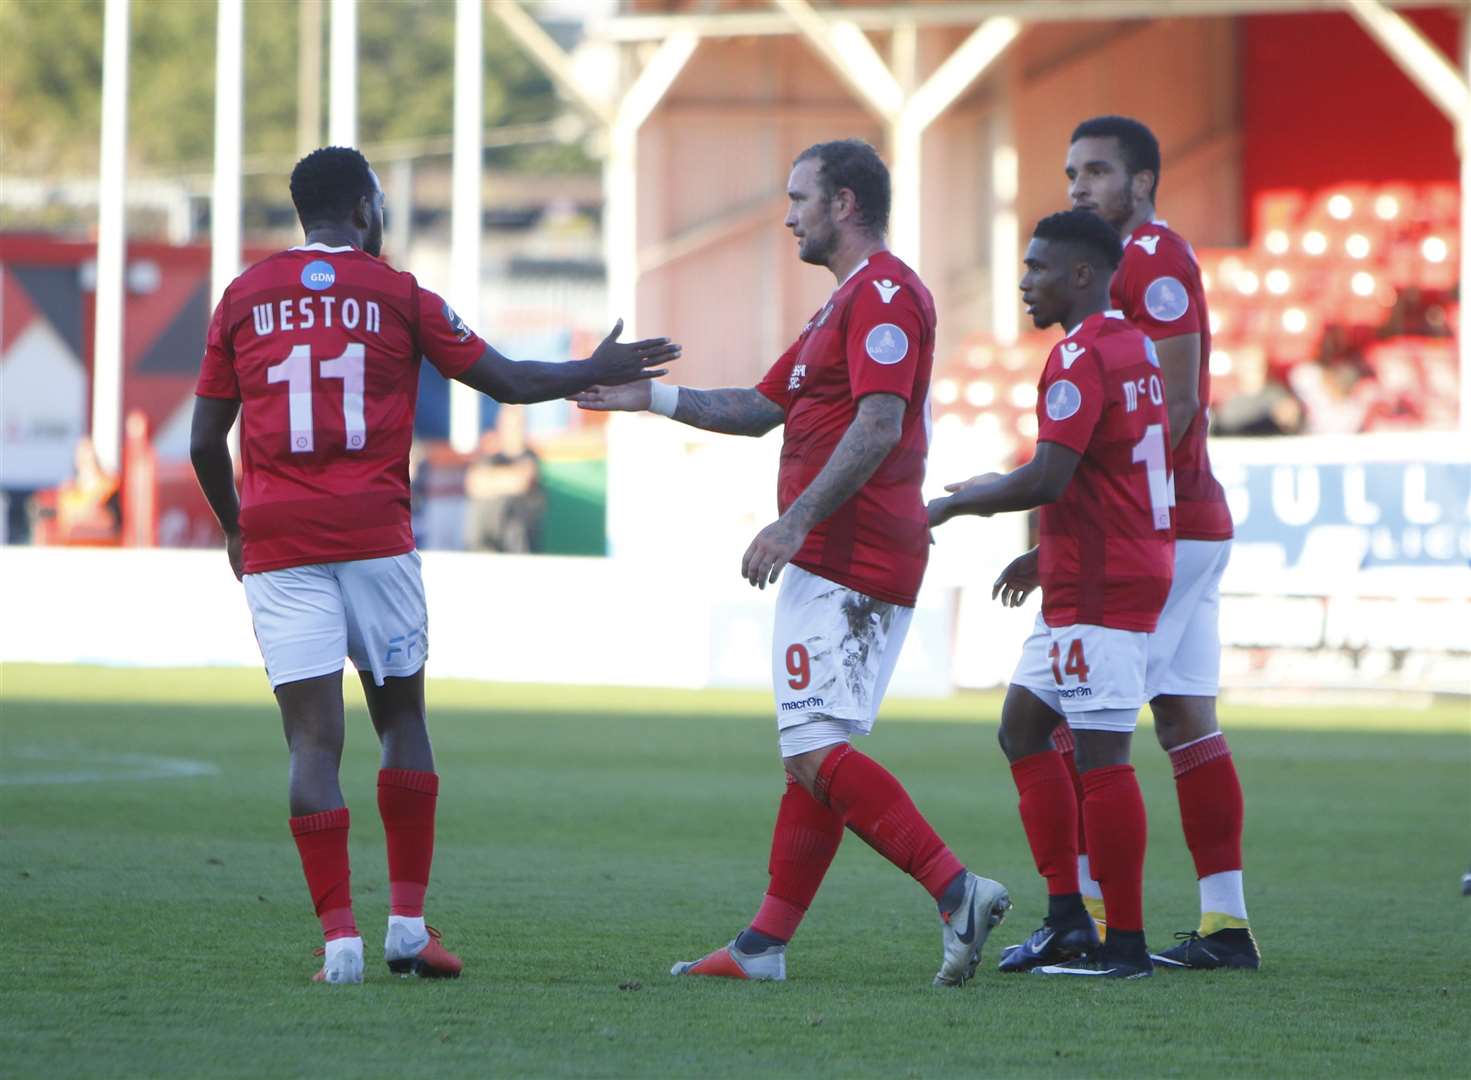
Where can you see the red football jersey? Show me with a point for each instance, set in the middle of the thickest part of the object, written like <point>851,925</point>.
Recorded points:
<point>1108,551</point>
<point>1158,287</point>
<point>875,335</point>
<point>321,346</point>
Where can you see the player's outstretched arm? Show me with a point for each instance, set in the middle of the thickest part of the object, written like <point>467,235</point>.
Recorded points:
<point>613,363</point>
<point>877,427</point>
<point>730,411</point>
<point>209,451</point>
<point>1037,483</point>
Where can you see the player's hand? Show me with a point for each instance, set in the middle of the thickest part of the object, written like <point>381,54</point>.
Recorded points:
<point>1017,581</point>
<point>939,511</point>
<point>982,478</point>
<point>235,551</point>
<point>774,547</point>
<point>617,362</point>
<point>630,397</point>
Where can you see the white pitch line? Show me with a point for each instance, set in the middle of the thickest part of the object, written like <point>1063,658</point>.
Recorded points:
<point>87,767</point>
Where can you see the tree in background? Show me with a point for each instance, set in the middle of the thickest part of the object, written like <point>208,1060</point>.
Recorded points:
<point>51,78</point>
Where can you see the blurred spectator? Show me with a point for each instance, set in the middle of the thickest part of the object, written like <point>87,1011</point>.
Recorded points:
<point>87,509</point>
<point>503,484</point>
<point>1334,396</point>
<point>1261,406</point>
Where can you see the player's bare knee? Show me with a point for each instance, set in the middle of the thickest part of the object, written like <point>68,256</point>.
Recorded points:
<point>1179,720</point>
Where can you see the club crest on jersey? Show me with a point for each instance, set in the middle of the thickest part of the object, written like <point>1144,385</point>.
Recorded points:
<point>1071,350</point>
<point>1148,243</point>
<point>886,289</point>
<point>457,324</point>
<point>886,344</point>
<point>1166,299</point>
<point>1063,399</point>
<point>318,275</point>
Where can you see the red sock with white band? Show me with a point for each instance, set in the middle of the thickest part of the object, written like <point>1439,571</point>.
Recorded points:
<point>1212,814</point>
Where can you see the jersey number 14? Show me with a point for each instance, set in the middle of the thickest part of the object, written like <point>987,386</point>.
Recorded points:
<point>296,372</point>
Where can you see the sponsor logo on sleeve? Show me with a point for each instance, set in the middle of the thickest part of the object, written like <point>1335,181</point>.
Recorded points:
<point>318,275</point>
<point>886,344</point>
<point>1063,399</point>
<point>1166,299</point>
<point>457,324</point>
<point>1070,352</point>
<point>886,289</point>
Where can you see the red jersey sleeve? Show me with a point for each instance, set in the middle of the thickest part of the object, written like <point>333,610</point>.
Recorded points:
<point>886,332</point>
<point>450,345</point>
<point>1070,398</point>
<point>776,384</point>
<point>1159,290</point>
<point>217,378</point>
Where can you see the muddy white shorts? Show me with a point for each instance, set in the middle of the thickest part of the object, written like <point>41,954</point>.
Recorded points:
<point>309,618</point>
<point>1093,675</point>
<point>833,653</point>
<point>1185,648</point>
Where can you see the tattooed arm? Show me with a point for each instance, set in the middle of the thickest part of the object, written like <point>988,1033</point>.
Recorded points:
<point>873,434</point>
<point>732,411</point>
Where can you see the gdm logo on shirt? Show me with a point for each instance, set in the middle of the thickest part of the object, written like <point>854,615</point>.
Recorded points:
<point>886,344</point>
<point>318,275</point>
<point>1166,299</point>
<point>1063,399</point>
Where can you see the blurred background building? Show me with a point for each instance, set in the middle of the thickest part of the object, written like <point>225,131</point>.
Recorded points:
<point>553,165</point>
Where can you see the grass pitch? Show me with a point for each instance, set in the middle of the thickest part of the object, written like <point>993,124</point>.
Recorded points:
<point>158,925</point>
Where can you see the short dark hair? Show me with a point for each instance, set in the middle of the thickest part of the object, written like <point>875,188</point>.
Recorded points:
<point>327,184</point>
<point>1140,147</point>
<point>1086,230</point>
<point>853,164</point>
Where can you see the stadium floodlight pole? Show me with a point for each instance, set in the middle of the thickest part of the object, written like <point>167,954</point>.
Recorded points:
<point>465,206</point>
<point>1005,225</point>
<point>342,66</point>
<point>224,226</point>
<point>112,180</point>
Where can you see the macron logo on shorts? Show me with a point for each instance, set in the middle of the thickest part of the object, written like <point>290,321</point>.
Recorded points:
<point>804,703</point>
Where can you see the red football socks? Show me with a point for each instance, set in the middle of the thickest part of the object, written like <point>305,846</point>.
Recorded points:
<point>1049,813</point>
<point>803,844</point>
<point>322,841</point>
<point>1211,809</point>
<point>406,801</point>
<point>875,806</point>
<point>1066,745</point>
<point>1114,808</point>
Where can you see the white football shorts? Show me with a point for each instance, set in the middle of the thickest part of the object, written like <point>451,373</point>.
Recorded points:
<point>1093,675</point>
<point>833,652</point>
<point>308,618</point>
<point>1185,648</point>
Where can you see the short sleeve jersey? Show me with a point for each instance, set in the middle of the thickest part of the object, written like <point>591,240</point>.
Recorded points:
<point>875,335</point>
<point>1158,288</point>
<point>321,346</point>
<point>1107,546</point>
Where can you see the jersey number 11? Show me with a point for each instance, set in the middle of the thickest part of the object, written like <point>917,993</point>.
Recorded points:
<point>296,372</point>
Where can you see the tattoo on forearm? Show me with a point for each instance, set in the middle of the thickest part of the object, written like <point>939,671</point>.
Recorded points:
<point>857,456</point>
<point>731,411</point>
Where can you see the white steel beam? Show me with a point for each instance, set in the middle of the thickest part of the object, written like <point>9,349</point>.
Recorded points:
<point>224,214</point>
<point>851,55</point>
<point>112,179</point>
<point>1424,64</point>
<point>951,79</point>
<point>551,58</point>
<point>342,66</point>
<point>465,208</point>
<point>620,174</point>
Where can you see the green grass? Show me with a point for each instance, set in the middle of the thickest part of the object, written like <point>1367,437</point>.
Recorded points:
<point>588,838</point>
